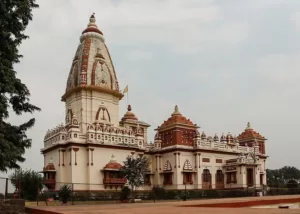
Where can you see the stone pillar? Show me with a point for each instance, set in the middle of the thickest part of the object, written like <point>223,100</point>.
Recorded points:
<point>199,171</point>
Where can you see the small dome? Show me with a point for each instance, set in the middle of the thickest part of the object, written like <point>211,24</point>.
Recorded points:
<point>209,138</point>
<point>198,133</point>
<point>223,138</point>
<point>229,137</point>
<point>49,167</point>
<point>113,164</point>
<point>129,115</point>
<point>203,136</point>
<point>177,118</point>
<point>216,138</point>
<point>250,133</point>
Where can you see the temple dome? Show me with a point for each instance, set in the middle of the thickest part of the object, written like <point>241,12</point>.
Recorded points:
<point>129,115</point>
<point>250,133</point>
<point>177,119</point>
<point>92,67</point>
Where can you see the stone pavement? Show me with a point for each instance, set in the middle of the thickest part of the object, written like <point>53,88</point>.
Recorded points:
<point>170,207</point>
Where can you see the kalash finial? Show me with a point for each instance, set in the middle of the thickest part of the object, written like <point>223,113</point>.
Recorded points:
<point>92,19</point>
<point>249,126</point>
<point>129,108</point>
<point>176,110</point>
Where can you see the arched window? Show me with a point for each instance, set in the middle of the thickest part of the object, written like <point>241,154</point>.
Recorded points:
<point>219,176</point>
<point>206,175</point>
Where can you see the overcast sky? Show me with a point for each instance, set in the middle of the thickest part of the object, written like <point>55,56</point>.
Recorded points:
<point>223,62</point>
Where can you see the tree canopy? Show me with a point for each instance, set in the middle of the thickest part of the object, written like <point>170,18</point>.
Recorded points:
<point>14,18</point>
<point>134,170</point>
<point>31,183</point>
<point>280,177</point>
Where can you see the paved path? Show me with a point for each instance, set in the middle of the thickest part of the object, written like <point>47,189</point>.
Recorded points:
<point>172,207</point>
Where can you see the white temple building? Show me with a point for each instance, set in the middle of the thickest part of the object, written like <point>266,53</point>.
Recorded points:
<point>89,149</point>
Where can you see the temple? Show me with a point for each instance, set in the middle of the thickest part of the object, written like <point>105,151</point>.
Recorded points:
<point>88,150</point>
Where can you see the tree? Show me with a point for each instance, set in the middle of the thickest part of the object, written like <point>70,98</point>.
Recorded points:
<point>290,173</point>
<point>274,177</point>
<point>31,183</point>
<point>14,18</point>
<point>134,170</point>
<point>280,177</point>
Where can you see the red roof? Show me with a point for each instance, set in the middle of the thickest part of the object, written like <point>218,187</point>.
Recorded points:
<point>177,118</point>
<point>49,167</point>
<point>113,165</point>
<point>249,133</point>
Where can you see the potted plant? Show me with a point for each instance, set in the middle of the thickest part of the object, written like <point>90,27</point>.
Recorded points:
<point>65,193</point>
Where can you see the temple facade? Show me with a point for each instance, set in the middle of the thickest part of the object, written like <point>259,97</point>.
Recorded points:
<point>89,148</point>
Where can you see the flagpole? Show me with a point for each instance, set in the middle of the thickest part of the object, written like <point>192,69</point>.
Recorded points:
<point>127,98</point>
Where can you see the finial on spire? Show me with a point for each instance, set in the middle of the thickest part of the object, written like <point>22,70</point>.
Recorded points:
<point>112,158</point>
<point>129,108</point>
<point>176,110</point>
<point>248,126</point>
<point>92,18</point>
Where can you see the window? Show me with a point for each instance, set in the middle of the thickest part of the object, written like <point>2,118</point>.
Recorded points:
<point>168,179</point>
<point>75,135</point>
<point>113,139</point>
<point>219,176</point>
<point>187,178</point>
<point>206,175</point>
<point>147,179</point>
<point>231,177</point>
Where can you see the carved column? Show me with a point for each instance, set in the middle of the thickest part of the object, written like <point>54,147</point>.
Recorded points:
<point>196,155</point>
<point>75,151</point>
<point>59,157</point>
<point>63,156</point>
<point>175,154</point>
<point>92,156</point>
<point>159,160</point>
<point>88,156</point>
<point>70,151</point>
<point>178,159</point>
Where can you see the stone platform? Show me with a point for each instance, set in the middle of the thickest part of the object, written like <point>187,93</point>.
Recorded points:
<point>179,207</point>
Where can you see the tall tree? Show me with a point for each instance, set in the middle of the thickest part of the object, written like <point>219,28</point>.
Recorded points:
<point>134,170</point>
<point>14,18</point>
<point>31,183</point>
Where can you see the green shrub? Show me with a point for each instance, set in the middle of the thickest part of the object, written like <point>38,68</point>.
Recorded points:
<point>125,193</point>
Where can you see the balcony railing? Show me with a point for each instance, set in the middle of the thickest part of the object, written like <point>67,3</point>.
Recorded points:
<point>114,180</point>
<point>49,181</point>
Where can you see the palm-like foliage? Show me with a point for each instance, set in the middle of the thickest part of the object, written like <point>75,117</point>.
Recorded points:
<point>65,193</point>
